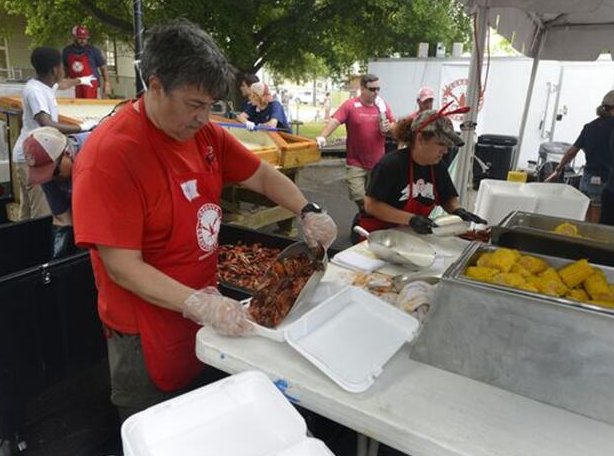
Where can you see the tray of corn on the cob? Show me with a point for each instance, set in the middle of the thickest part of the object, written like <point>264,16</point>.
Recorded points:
<point>519,321</point>
<point>555,236</point>
<point>575,283</point>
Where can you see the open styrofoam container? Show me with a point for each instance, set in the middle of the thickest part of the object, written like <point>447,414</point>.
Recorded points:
<point>323,291</point>
<point>241,415</point>
<point>351,336</point>
<point>559,200</point>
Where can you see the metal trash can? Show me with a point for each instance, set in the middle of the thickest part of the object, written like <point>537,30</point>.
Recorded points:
<point>493,157</point>
<point>552,152</point>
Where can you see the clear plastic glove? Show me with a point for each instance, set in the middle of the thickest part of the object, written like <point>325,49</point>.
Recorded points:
<point>251,126</point>
<point>87,80</point>
<point>381,105</point>
<point>209,307</point>
<point>318,228</point>
<point>88,124</point>
<point>421,224</point>
<point>469,217</point>
<point>321,140</point>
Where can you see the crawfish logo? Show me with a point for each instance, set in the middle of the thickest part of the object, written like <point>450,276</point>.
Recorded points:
<point>456,92</point>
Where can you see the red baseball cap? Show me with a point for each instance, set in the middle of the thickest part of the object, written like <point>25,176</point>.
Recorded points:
<point>42,148</point>
<point>426,93</point>
<point>80,32</point>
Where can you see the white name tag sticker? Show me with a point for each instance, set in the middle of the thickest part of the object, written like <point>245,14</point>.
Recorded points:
<point>357,104</point>
<point>595,180</point>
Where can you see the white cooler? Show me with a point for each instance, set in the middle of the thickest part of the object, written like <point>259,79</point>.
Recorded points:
<point>497,198</point>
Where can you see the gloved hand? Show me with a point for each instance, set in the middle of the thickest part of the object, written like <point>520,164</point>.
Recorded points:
<point>251,126</point>
<point>469,217</point>
<point>421,224</point>
<point>209,307</point>
<point>318,228</point>
<point>321,140</point>
<point>87,80</point>
<point>88,124</point>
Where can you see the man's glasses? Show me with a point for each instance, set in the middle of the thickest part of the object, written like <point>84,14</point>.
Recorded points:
<point>373,89</point>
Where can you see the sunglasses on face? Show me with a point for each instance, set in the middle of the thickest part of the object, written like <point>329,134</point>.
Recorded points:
<point>373,89</point>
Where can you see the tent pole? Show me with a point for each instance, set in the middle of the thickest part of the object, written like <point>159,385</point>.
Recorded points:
<point>466,152</point>
<point>527,101</point>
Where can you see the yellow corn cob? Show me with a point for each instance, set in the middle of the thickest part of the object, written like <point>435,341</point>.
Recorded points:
<point>568,229</point>
<point>533,264</point>
<point>503,259</point>
<point>577,294</point>
<point>481,273</point>
<point>549,282</point>
<point>575,273</point>
<point>509,279</point>
<point>485,260</point>
<point>597,288</point>
<point>519,269</point>
<point>529,287</point>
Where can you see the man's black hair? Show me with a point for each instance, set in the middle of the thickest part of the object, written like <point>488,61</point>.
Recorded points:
<point>367,78</point>
<point>45,59</point>
<point>249,79</point>
<point>181,54</point>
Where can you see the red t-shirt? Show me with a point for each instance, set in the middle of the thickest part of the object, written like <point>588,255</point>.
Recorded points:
<point>365,144</point>
<point>121,195</point>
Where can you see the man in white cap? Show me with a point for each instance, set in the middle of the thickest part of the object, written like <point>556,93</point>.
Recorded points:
<point>424,98</point>
<point>50,155</point>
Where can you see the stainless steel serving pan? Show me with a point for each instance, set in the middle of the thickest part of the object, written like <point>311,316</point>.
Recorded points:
<point>469,258</point>
<point>535,233</point>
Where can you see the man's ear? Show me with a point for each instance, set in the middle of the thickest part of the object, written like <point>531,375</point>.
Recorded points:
<point>155,85</point>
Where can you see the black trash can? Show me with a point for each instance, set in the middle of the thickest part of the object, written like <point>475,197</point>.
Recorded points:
<point>493,157</point>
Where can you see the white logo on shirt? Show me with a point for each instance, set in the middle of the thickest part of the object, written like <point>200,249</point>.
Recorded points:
<point>77,66</point>
<point>209,219</point>
<point>190,190</point>
<point>420,188</point>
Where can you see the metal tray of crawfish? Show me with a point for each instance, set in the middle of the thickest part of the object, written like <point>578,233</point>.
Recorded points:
<point>288,285</point>
<point>456,274</point>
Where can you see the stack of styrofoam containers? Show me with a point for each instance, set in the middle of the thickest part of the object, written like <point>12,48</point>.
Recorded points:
<point>242,415</point>
<point>497,198</point>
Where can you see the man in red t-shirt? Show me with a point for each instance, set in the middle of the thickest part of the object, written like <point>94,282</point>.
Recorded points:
<point>367,118</point>
<point>146,202</point>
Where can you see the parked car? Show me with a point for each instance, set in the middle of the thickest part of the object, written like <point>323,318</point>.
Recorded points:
<point>306,97</point>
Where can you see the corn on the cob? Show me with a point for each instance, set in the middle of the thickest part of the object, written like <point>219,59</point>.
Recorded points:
<point>533,264</point>
<point>568,229</point>
<point>549,282</point>
<point>503,259</point>
<point>577,294</point>
<point>485,260</point>
<point>575,273</point>
<point>519,269</point>
<point>481,273</point>
<point>510,279</point>
<point>597,287</point>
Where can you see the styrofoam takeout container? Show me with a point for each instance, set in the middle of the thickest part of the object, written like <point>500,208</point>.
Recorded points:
<point>351,336</point>
<point>241,415</point>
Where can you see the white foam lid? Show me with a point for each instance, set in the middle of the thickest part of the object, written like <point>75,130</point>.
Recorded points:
<point>242,415</point>
<point>351,336</point>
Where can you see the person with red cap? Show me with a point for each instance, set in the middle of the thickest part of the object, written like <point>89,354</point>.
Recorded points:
<point>424,98</point>
<point>40,109</point>
<point>82,59</point>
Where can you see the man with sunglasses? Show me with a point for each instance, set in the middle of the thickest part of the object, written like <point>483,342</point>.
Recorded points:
<point>406,185</point>
<point>50,155</point>
<point>367,118</point>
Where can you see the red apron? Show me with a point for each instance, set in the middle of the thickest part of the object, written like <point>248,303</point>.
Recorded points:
<point>190,257</point>
<point>412,205</point>
<point>78,66</point>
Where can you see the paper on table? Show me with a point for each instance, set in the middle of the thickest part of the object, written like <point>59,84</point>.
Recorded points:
<point>357,262</point>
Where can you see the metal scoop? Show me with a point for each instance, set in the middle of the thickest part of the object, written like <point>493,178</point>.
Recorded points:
<point>399,247</point>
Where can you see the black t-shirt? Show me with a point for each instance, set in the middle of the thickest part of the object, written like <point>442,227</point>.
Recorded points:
<point>390,176</point>
<point>596,141</point>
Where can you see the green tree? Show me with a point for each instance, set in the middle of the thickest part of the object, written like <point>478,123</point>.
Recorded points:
<point>292,37</point>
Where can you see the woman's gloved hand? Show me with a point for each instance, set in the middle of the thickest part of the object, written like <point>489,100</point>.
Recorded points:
<point>209,307</point>
<point>469,217</point>
<point>318,228</point>
<point>251,126</point>
<point>421,224</point>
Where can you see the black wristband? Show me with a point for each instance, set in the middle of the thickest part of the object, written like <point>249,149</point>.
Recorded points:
<point>311,207</point>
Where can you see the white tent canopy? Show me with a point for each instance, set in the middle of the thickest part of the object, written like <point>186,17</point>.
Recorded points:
<point>542,29</point>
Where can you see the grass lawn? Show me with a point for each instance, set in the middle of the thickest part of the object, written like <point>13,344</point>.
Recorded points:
<point>313,129</point>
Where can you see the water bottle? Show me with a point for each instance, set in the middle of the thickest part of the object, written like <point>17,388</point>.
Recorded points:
<point>382,122</point>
